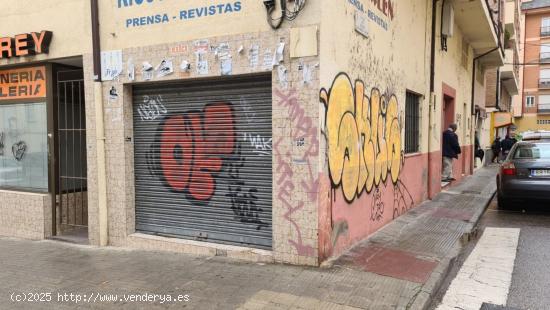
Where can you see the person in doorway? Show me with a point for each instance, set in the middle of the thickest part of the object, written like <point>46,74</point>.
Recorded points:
<point>507,145</point>
<point>451,149</point>
<point>495,147</point>
<point>479,153</point>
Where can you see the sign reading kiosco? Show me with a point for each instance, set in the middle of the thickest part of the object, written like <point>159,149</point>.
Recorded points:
<point>179,15</point>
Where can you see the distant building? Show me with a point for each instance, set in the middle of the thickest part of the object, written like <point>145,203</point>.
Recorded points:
<point>535,108</point>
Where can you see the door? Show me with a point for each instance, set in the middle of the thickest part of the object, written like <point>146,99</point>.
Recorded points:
<point>203,160</point>
<point>71,197</point>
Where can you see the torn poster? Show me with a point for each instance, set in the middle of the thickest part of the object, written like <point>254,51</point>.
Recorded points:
<point>254,55</point>
<point>223,51</point>
<point>113,94</point>
<point>279,55</point>
<point>202,62</point>
<point>226,66</point>
<point>282,75</point>
<point>165,68</point>
<point>111,64</point>
<point>307,73</point>
<point>131,70</point>
<point>268,60</point>
<point>146,71</point>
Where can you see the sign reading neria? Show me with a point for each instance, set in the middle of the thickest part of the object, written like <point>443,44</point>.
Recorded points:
<point>25,44</point>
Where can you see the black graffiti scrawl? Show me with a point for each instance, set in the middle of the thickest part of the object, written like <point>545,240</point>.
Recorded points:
<point>18,150</point>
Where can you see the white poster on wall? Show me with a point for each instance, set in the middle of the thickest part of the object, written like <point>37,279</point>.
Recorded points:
<point>111,64</point>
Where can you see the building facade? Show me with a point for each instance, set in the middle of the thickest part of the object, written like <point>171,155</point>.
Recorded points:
<point>535,107</point>
<point>209,129</point>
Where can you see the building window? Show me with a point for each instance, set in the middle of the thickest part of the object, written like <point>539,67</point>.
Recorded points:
<point>545,53</point>
<point>543,122</point>
<point>545,27</point>
<point>412,123</point>
<point>544,103</point>
<point>544,78</point>
<point>23,146</point>
<point>530,101</point>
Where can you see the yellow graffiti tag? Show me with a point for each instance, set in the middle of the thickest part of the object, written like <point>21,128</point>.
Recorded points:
<point>363,136</point>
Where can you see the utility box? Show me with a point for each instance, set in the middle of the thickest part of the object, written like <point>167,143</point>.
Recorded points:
<point>448,20</point>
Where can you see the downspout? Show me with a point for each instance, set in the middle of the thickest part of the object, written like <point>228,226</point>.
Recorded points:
<point>100,129</point>
<point>432,127</point>
<point>497,91</point>
<point>474,63</point>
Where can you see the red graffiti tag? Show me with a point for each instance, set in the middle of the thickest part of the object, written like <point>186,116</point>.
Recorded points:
<point>192,147</point>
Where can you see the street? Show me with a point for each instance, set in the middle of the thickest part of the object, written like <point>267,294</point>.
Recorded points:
<point>528,288</point>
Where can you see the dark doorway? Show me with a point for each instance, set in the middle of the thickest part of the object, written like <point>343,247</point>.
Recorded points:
<point>71,199</point>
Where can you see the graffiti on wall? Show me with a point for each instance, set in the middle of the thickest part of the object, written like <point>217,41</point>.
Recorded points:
<point>303,129</point>
<point>364,146</point>
<point>151,108</point>
<point>193,146</point>
<point>202,156</point>
<point>18,150</point>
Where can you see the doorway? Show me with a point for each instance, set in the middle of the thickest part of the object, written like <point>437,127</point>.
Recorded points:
<point>71,199</point>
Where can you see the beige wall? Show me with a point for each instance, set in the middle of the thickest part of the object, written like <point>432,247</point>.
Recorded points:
<point>25,215</point>
<point>248,16</point>
<point>68,20</point>
<point>449,70</point>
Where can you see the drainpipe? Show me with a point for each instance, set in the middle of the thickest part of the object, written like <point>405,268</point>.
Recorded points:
<point>474,76</point>
<point>497,94</point>
<point>432,107</point>
<point>99,129</point>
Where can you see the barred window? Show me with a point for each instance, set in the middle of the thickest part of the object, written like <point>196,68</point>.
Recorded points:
<point>412,123</point>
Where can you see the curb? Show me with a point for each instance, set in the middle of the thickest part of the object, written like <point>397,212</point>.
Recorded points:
<point>432,287</point>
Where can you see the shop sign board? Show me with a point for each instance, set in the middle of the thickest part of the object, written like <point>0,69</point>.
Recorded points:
<point>25,44</point>
<point>24,83</point>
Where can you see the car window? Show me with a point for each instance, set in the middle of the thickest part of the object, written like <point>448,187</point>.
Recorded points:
<point>533,151</point>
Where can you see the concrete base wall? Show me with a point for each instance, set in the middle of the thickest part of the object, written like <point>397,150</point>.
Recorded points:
<point>25,215</point>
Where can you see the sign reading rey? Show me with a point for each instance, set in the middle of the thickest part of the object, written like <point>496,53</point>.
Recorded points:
<point>23,83</point>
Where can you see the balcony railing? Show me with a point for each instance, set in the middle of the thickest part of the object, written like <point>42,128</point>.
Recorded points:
<point>545,31</point>
<point>544,108</point>
<point>544,83</point>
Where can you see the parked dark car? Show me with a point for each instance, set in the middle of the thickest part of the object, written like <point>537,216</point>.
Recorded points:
<point>525,173</point>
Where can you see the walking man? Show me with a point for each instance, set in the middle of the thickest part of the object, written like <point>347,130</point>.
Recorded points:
<point>451,149</point>
<point>495,147</point>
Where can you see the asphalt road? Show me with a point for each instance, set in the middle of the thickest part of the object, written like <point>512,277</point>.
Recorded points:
<point>529,289</point>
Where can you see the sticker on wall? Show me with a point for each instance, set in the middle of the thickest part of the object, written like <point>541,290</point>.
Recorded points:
<point>18,150</point>
<point>282,75</point>
<point>146,71</point>
<point>1,144</point>
<point>253,56</point>
<point>268,60</point>
<point>279,54</point>
<point>307,73</point>
<point>111,65</point>
<point>131,70</point>
<point>185,66</point>
<point>240,50</point>
<point>223,51</point>
<point>113,95</point>
<point>165,68</point>
<point>226,66</point>
<point>202,62</point>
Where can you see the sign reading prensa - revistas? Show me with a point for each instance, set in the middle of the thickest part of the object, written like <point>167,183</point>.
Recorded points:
<point>25,44</point>
<point>23,83</point>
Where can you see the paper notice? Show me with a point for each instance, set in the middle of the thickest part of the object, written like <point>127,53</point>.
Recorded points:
<point>253,56</point>
<point>202,62</point>
<point>111,64</point>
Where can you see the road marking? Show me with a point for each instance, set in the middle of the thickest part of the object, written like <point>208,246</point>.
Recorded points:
<point>486,275</point>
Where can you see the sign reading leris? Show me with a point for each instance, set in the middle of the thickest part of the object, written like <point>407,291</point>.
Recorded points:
<point>23,83</point>
<point>180,15</point>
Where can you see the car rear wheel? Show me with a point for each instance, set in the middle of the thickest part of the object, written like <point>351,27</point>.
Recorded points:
<point>502,204</point>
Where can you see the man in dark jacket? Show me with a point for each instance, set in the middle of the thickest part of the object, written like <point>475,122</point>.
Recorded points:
<point>451,149</point>
<point>507,145</point>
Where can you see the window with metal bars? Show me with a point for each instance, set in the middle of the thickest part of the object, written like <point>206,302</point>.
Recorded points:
<point>412,123</point>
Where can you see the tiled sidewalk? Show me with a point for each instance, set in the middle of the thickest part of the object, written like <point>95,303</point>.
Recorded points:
<point>399,267</point>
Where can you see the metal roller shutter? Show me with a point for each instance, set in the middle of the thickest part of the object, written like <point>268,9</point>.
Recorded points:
<point>203,160</point>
